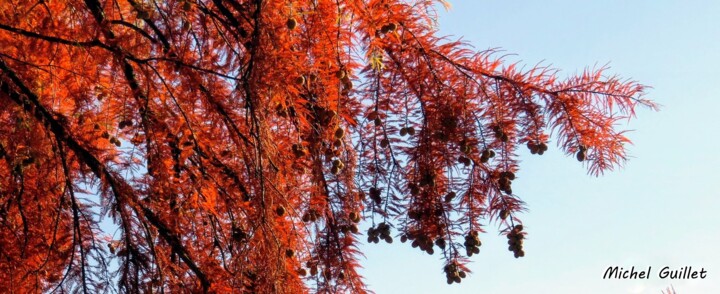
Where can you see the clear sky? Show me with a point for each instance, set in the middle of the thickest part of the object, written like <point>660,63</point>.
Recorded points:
<point>661,209</point>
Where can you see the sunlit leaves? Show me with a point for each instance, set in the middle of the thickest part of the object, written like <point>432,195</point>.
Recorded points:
<point>236,145</point>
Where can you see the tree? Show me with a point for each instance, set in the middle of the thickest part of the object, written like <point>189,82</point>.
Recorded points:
<point>237,144</point>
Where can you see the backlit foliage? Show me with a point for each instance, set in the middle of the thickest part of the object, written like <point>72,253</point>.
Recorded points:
<point>237,144</point>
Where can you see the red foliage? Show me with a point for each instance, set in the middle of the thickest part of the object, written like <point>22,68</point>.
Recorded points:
<point>236,144</point>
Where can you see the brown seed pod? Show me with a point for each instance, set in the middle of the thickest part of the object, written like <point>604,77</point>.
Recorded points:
<point>374,192</point>
<point>580,156</point>
<point>238,234</point>
<point>289,253</point>
<point>469,243</point>
<point>384,143</point>
<point>186,5</point>
<point>142,14</point>
<point>411,131</point>
<point>340,74</point>
<point>391,27</point>
<point>504,138</point>
<point>543,147</point>
<point>347,84</point>
<point>508,175</point>
<point>451,267</point>
<point>354,217</point>
<point>339,133</point>
<point>388,239</point>
<point>484,159</point>
<point>450,196</point>
<point>504,214</point>
<point>300,80</point>
<point>281,111</point>
<point>498,133</point>
<point>503,182</point>
<point>403,132</point>
<point>466,149</point>
<point>378,121</point>
<point>298,150</point>
<point>291,23</point>
<point>280,210</point>
<point>440,242</point>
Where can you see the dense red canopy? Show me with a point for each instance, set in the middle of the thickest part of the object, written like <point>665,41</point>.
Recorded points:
<point>237,144</point>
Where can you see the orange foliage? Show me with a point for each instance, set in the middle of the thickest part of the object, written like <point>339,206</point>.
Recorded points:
<point>237,144</point>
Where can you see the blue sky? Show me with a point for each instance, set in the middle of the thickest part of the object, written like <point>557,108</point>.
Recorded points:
<point>661,209</point>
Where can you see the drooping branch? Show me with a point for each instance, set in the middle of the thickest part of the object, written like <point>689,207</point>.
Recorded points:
<point>122,191</point>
